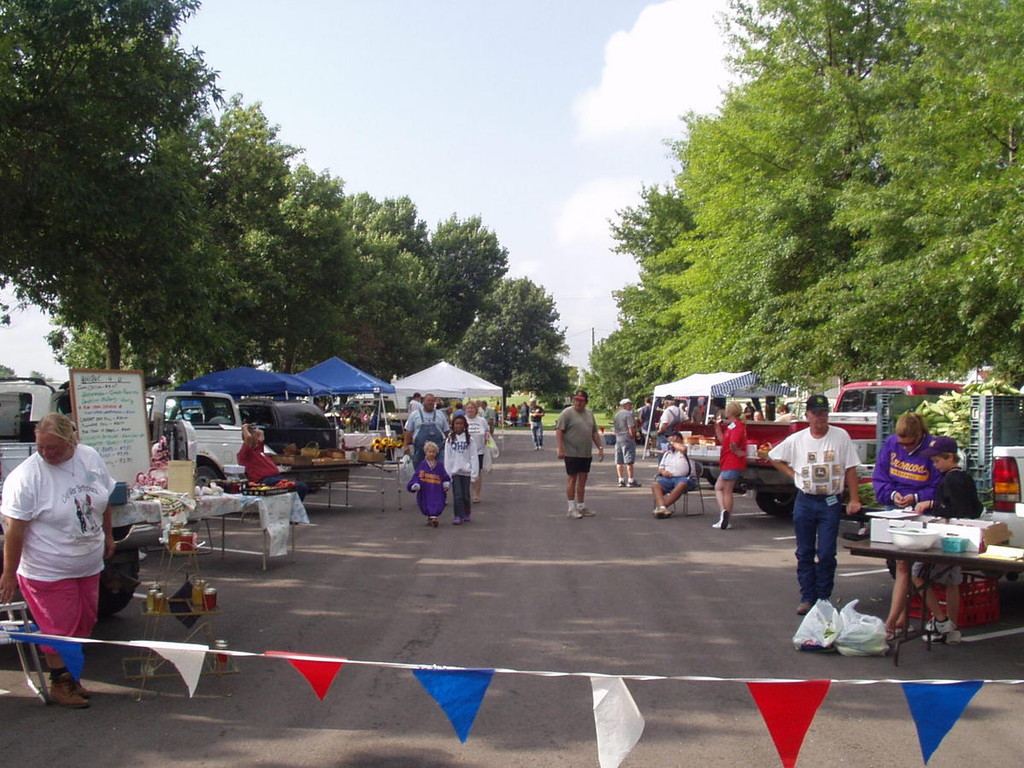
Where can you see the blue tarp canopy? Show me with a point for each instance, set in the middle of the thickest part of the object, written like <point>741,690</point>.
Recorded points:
<point>342,378</point>
<point>251,381</point>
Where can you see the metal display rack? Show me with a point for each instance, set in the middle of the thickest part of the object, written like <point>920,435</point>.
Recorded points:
<point>197,619</point>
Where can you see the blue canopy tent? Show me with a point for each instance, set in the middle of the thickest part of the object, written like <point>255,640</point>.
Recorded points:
<point>251,381</point>
<point>341,378</point>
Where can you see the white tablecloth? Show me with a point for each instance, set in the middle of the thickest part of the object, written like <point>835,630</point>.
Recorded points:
<point>276,513</point>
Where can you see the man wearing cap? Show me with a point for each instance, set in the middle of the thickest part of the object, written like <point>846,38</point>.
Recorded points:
<point>822,460</point>
<point>624,425</point>
<point>576,433</point>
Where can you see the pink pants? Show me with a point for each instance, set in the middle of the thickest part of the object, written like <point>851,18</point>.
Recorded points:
<point>66,607</point>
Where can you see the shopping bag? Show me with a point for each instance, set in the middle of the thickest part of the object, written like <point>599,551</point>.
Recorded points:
<point>861,634</point>
<point>819,629</point>
<point>405,469</point>
<point>492,447</point>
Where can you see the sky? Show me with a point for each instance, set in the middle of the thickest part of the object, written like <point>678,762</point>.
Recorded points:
<point>542,118</point>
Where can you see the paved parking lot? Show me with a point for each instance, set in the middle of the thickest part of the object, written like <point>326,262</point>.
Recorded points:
<point>521,588</point>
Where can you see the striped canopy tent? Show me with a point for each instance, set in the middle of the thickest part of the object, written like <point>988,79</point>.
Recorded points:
<point>723,384</point>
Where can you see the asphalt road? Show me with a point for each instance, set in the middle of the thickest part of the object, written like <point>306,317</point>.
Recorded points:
<point>521,588</point>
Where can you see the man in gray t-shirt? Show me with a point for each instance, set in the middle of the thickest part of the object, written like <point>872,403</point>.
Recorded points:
<point>576,433</point>
<point>624,424</point>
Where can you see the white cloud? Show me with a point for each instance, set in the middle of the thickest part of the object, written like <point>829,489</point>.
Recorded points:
<point>584,218</point>
<point>670,62</point>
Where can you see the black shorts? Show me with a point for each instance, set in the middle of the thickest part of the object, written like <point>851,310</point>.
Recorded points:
<point>577,465</point>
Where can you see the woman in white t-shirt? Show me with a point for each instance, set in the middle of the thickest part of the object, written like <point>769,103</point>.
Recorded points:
<point>478,434</point>
<point>57,531</point>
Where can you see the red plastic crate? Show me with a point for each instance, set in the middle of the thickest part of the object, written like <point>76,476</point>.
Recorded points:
<point>979,601</point>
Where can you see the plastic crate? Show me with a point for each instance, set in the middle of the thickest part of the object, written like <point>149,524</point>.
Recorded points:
<point>979,601</point>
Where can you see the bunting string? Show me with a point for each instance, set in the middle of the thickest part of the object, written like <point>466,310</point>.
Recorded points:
<point>787,705</point>
<point>155,645</point>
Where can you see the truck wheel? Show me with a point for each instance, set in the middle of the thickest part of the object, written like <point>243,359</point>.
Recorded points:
<point>206,474</point>
<point>118,581</point>
<point>779,504</point>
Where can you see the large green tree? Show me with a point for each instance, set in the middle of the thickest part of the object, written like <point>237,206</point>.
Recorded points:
<point>466,263</point>
<point>852,210</point>
<point>515,341</point>
<point>95,161</point>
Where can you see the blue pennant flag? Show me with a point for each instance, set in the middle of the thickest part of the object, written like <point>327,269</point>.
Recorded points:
<point>459,692</point>
<point>935,708</point>
<point>70,652</point>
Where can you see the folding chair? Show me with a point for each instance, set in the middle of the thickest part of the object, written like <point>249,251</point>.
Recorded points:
<point>698,472</point>
<point>14,617</point>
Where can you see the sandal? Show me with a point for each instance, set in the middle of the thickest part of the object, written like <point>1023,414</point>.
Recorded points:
<point>894,633</point>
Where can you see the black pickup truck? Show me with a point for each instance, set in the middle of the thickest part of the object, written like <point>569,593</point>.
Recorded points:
<point>288,422</point>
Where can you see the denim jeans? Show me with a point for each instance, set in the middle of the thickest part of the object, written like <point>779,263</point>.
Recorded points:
<point>537,428</point>
<point>816,523</point>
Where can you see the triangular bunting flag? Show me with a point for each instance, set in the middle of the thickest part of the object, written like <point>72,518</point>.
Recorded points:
<point>319,672</point>
<point>459,693</point>
<point>788,710</point>
<point>617,718</point>
<point>70,651</point>
<point>935,708</point>
<point>186,657</point>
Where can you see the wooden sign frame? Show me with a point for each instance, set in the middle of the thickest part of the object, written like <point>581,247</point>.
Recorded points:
<point>109,408</point>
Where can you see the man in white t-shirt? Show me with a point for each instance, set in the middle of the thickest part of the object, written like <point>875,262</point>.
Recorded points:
<point>822,460</point>
<point>671,418</point>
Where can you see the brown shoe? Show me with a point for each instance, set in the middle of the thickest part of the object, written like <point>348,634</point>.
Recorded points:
<point>804,608</point>
<point>62,692</point>
<point>81,690</point>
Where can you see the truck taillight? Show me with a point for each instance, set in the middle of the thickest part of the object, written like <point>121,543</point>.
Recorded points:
<point>1005,484</point>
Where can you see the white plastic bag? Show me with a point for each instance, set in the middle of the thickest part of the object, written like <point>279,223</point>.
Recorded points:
<point>492,447</point>
<point>405,469</point>
<point>819,629</point>
<point>861,634</point>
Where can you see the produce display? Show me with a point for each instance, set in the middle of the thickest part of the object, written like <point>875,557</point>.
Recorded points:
<point>950,415</point>
<point>383,444</point>
<point>259,489</point>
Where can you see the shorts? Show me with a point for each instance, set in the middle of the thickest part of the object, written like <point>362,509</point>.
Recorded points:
<point>66,607</point>
<point>577,465</point>
<point>625,452</point>
<point>730,474</point>
<point>669,484</point>
<point>940,574</point>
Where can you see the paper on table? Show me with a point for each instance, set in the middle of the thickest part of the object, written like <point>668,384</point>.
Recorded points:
<point>997,552</point>
<point>893,514</point>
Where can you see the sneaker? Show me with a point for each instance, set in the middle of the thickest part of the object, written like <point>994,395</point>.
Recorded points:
<point>432,522</point>
<point>585,511</point>
<point>62,692</point>
<point>622,483</point>
<point>944,631</point>
<point>723,521</point>
<point>457,521</point>
<point>661,512</point>
<point>633,484</point>
<point>573,512</point>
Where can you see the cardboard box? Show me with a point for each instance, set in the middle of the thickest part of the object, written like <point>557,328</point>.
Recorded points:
<point>881,527</point>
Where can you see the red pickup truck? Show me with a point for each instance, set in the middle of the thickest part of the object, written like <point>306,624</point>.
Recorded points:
<point>854,411</point>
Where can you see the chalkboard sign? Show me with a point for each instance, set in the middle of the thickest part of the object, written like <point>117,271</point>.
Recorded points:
<point>109,408</point>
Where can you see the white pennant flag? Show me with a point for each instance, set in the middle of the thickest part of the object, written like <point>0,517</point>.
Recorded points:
<point>186,657</point>
<point>619,722</point>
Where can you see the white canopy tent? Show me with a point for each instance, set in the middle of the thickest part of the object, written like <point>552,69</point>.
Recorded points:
<point>721,384</point>
<point>446,380</point>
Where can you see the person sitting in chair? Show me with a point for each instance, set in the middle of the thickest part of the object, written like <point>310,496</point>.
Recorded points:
<point>675,477</point>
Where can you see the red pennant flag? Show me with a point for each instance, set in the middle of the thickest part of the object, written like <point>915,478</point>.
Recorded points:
<point>788,710</point>
<point>318,671</point>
